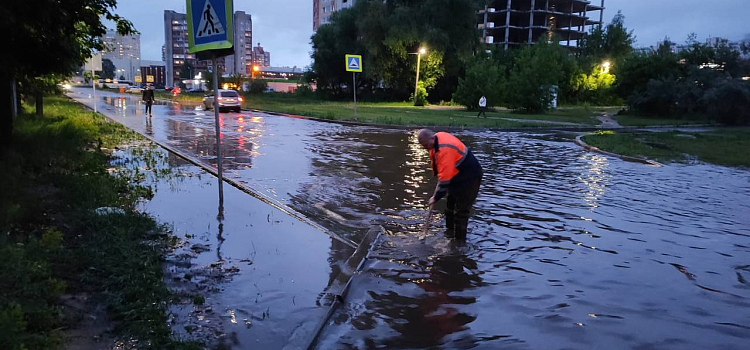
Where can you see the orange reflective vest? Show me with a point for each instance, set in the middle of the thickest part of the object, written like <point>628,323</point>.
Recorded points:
<point>447,155</point>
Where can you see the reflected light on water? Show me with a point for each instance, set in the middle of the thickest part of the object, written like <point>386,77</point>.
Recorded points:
<point>416,168</point>
<point>595,178</point>
<point>232,317</point>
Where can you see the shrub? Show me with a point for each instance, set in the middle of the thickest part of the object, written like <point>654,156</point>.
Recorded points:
<point>258,86</point>
<point>421,98</point>
<point>483,77</point>
<point>728,102</point>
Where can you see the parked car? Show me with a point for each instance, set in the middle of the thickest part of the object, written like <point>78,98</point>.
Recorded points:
<point>168,88</point>
<point>227,100</point>
<point>135,89</point>
<point>197,90</point>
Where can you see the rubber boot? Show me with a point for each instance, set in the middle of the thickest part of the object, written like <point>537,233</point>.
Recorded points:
<point>449,224</point>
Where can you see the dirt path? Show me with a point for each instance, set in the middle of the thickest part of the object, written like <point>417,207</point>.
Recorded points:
<point>608,122</point>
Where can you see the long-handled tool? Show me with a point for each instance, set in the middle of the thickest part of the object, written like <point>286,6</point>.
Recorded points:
<point>429,218</point>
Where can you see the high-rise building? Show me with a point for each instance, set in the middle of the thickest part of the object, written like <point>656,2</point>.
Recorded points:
<point>512,23</point>
<point>119,46</point>
<point>322,10</point>
<point>243,45</point>
<point>261,57</point>
<point>176,47</point>
<point>124,52</point>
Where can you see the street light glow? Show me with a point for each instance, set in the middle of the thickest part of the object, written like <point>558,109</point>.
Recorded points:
<point>256,69</point>
<point>422,51</point>
<point>605,66</point>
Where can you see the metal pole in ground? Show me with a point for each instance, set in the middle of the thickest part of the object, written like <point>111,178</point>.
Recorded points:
<point>354,89</point>
<point>218,133</point>
<point>416,81</point>
<point>93,84</point>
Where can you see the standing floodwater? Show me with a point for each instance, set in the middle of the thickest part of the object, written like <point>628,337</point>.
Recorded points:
<point>567,250</point>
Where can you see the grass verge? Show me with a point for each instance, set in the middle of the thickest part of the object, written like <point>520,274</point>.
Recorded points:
<point>55,174</point>
<point>646,121</point>
<point>721,146</point>
<point>403,113</point>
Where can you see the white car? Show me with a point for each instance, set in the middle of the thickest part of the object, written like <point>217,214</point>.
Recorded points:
<point>135,89</point>
<point>228,99</point>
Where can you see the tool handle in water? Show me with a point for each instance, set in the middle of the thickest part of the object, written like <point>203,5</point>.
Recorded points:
<point>429,218</point>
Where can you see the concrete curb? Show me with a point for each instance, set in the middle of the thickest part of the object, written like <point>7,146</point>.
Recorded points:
<point>580,142</point>
<point>340,286</point>
<point>240,186</point>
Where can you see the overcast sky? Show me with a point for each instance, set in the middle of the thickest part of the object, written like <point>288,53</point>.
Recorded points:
<point>283,27</point>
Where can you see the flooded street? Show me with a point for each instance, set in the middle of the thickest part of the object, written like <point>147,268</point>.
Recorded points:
<point>567,249</point>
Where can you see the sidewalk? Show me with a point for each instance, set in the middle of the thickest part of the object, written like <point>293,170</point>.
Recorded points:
<point>265,269</point>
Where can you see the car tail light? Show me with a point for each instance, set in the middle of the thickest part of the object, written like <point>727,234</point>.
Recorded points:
<point>240,99</point>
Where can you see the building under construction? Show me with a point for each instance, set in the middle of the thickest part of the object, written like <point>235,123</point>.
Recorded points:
<point>516,22</point>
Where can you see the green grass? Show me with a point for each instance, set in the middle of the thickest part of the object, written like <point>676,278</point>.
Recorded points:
<point>403,113</point>
<point>636,120</point>
<point>55,173</point>
<point>722,146</point>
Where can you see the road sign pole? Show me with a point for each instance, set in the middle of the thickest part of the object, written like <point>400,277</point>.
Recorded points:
<point>354,88</point>
<point>93,84</point>
<point>218,132</point>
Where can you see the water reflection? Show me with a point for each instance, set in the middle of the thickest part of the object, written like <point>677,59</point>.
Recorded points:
<point>567,249</point>
<point>596,179</point>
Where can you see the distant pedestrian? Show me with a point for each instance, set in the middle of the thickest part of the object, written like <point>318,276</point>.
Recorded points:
<point>148,98</point>
<point>482,106</point>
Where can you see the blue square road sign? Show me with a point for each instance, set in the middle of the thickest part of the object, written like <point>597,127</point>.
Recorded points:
<point>354,63</point>
<point>210,25</point>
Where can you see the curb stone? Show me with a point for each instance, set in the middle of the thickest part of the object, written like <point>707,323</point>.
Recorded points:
<point>580,142</point>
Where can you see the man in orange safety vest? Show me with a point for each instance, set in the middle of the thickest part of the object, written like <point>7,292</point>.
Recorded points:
<point>459,177</point>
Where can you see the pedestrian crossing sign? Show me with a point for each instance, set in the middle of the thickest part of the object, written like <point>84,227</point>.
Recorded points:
<point>354,63</point>
<point>138,79</point>
<point>209,25</point>
<point>149,78</point>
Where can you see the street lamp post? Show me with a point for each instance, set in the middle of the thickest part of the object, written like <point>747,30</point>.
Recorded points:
<point>416,82</point>
<point>256,68</point>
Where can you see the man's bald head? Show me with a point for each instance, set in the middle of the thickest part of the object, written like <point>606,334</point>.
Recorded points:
<point>426,138</point>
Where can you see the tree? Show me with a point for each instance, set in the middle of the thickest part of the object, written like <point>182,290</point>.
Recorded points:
<point>536,70</point>
<point>595,88</point>
<point>108,69</point>
<point>485,77</point>
<point>50,37</point>
<point>635,72</point>
<point>387,34</point>
<point>612,43</point>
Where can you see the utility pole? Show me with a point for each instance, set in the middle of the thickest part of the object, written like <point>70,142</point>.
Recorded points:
<point>218,132</point>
